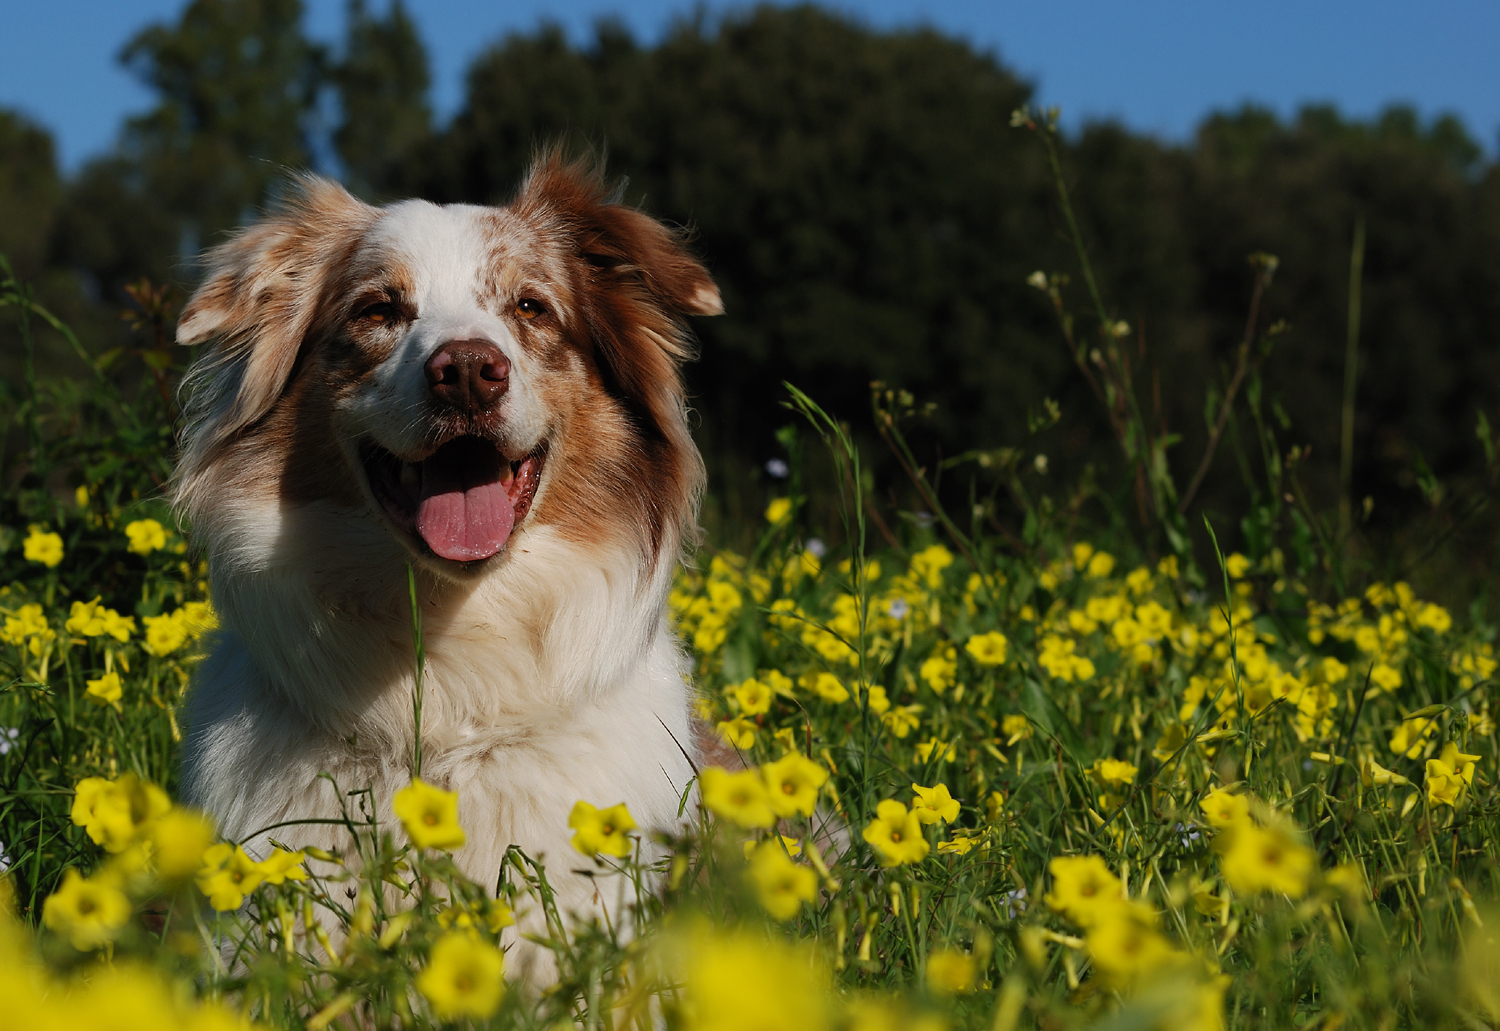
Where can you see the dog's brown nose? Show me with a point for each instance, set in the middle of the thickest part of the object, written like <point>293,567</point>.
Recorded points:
<point>468,374</point>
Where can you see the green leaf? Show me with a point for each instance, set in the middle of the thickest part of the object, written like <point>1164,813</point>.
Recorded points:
<point>1040,709</point>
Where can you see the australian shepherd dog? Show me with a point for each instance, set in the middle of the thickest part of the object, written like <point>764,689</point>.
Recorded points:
<point>491,396</point>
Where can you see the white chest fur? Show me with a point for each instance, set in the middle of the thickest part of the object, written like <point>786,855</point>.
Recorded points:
<point>577,693</point>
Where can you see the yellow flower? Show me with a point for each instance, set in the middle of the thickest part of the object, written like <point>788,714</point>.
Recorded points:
<point>117,626</point>
<point>896,835</point>
<point>88,912</point>
<point>46,548</point>
<point>601,830</point>
<point>430,816</point>
<point>146,536</point>
<point>878,701</point>
<point>1082,551</point>
<point>746,982</point>
<point>1444,784</point>
<point>951,973</point>
<point>85,618</point>
<point>1117,772</point>
<point>464,977</point>
<point>903,719</point>
<point>197,618</point>
<point>1267,859</point>
<point>1222,809</point>
<point>944,750</point>
<point>164,634</point>
<point>792,784</point>
<point>178,841</point>
<point>1126,945</point>
<point>987,649</point>
<point>1412,736</point>
<point>1101,565</point>
<point>1083,889</point>
<point>934,804</point>
<point>1127,633</point>
<point>1080,623</point>
<point>1434,618</point>
<point>780,884</point>
<point>877,1013</point>
<point>778,682</point>
<point>227,876</point>
<point>497,915</point>
<point>753,696</point>
<point>112,812</point>
<point>1333,670</point>
<point>961,843</point>
<point>105,690</point>
<point>940,669</point>
<point>1388,678</point>
<point>740,797</point>
<point>1237,565</point>
<point>282,866</point>
<point>929,563</point>
<point>738,731</point>
<point>493,916</point>
<point>1372,774</point>
<point>1459,762</point>
<point>778,511</point>
<point>27,622</point>
<point>826,686</point>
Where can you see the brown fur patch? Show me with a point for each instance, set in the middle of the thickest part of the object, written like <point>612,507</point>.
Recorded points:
<point>634,282</point>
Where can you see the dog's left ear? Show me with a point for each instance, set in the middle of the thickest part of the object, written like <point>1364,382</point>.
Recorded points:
<point>640,280</point>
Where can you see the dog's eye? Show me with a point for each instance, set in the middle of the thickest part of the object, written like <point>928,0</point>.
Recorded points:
<point>527,308</point>
<point>379,313</point>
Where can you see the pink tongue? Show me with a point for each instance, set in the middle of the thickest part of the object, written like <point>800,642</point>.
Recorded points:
<point>464,513</point>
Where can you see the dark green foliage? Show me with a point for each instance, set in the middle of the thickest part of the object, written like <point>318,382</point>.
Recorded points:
<point>237,81</point>
<point>382,90</point>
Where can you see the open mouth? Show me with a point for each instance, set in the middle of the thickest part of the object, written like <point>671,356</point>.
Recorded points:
<point>463,500</point>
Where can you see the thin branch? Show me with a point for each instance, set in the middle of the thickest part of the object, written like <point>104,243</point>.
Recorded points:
<point>1241,367</point>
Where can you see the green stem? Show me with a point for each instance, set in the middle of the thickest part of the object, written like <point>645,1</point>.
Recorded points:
<point>1351,377</point>
<point>421,662</point>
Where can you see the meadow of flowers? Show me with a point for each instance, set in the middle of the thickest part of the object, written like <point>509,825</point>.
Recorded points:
<point>1018,791</point>
<point>1021,775</point>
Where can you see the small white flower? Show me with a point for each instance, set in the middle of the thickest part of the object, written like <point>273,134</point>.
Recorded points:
<point>817,548</point>
<point>9,736</point>
<point>777,468</point>
<point>898,608</point>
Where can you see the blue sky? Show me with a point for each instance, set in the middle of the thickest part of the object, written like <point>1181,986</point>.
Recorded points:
<point>1157,65</point>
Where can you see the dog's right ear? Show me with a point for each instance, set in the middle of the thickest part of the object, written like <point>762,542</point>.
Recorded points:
<point>257,304</point>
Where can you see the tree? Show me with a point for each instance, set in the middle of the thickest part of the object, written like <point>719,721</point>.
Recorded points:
<point>381,83</point>
<point>237,82</point>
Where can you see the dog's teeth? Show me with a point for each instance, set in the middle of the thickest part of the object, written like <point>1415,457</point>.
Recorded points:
<point>411,476</point>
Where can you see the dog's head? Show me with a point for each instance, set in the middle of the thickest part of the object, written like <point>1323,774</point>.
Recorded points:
<point>449,376</point>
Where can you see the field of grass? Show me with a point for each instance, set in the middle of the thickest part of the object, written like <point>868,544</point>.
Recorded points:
<point>1029,776</point>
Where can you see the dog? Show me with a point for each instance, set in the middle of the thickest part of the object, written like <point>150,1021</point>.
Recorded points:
<point>491,397</point>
